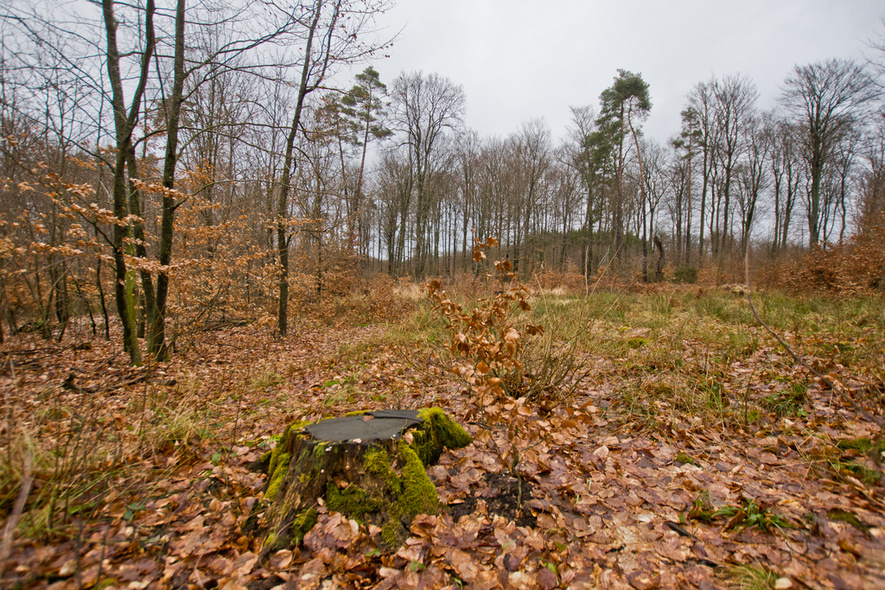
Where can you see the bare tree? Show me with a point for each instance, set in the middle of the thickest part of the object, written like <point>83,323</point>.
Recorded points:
<point>588,157</point>
<point>531,160</point>
<point>425,107</point>
<point>752,178</point>
<point>826,99</point>
<point>698,124</point>
<point>786,175</point>
<point>655,185</point>
<point>330,29</point>
<point>735,100</point>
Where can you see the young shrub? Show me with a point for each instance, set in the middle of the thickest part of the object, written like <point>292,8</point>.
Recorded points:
<point>486,339</point>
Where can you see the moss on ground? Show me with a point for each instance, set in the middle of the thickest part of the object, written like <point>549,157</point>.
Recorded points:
<point>685,458</point>
<point>848,517</point>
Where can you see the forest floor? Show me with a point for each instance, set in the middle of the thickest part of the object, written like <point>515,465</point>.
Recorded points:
<point>694,453</point>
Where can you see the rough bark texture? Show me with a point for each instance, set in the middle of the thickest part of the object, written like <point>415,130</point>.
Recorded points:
<point>370,467</point>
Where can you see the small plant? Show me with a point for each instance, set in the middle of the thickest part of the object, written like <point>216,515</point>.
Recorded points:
<point>788,403</point>
<point>861,445</point>
<point>685,274</point>
<point>749,514</point>
<point>489,347</point>
<point>857,471</point>
<point>486,339</point>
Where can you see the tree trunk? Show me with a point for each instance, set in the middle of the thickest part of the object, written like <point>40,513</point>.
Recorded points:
<point>369,467</point>
<point>659,270</point>
<point>305,87</point>
<point>124,123</point>
<point>157,329</point>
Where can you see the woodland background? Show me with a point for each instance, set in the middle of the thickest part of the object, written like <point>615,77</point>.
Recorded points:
<point>194,166</point>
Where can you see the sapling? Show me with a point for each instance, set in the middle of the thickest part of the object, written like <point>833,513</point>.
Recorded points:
<point>488,345</point>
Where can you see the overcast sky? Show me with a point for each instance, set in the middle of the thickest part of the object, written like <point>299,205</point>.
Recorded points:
<point>520,59</point>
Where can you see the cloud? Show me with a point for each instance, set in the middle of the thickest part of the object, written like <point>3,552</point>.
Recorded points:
<point>519,60</point>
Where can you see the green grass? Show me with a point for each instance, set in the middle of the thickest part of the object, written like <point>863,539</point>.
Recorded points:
<point>749,577</point>
<point>676,352</point>
<point>264,379</point>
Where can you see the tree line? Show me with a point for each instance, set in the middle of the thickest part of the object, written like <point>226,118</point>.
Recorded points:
<point>177,163</point>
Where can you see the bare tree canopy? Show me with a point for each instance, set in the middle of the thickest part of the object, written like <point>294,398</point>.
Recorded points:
<point>826,100</point>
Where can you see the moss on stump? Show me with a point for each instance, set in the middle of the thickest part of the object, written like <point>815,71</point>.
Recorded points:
<point>369,466</point>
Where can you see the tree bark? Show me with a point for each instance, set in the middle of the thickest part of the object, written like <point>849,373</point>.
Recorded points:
<point>124,124</point>
<point>362,466</point>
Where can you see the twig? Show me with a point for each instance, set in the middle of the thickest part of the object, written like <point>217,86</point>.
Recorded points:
<point>786,346</point>
<point>12,523</point>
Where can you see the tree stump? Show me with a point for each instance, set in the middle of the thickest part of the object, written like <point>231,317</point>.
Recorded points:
<point>368,466</point>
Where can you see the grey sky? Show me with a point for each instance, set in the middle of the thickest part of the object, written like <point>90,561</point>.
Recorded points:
<point>520,59</point>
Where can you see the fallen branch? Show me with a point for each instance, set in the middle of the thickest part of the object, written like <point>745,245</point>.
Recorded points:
<point>786,346</point>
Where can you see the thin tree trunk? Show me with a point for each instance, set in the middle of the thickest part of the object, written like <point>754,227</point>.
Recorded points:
<point>290,162</point>
<point>157,338</point>
<point>124,124</point>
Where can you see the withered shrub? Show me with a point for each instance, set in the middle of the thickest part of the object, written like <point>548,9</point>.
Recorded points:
<point>855,267</point>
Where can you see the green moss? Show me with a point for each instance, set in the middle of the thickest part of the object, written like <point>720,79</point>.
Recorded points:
<point>377,463</point>
<point>284,446</point>
<point>849,517</point>
<point>300,527</point>
<point>418,492</point>
<point>355,413</point>
<point>392,497</point>
<point>277,475</point>
<point>352,501</point>
<point>393,532</point>
<point>438,432</point>
<point>682,457</point>
<point>637,342</point>
<point>403,498</point>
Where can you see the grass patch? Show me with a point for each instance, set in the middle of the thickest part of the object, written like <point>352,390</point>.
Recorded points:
<point>788,403</point>
<point>265,379</point>
<point>173,419</point>
<point>749,577</point>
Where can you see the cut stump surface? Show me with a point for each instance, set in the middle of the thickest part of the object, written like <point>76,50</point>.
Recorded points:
<point>366,427</point>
